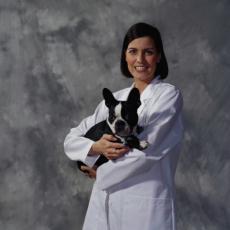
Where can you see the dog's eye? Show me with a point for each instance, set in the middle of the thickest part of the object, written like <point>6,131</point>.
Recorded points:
<point>112,117</point>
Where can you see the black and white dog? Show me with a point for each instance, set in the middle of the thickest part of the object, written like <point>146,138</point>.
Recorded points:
<point>121,122</point>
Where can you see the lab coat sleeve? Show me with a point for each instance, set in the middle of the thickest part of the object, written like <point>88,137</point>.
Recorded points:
<point>163,132</point>
<point>76,146</point>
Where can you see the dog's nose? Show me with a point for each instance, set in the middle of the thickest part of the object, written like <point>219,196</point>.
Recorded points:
<point>119,125</point>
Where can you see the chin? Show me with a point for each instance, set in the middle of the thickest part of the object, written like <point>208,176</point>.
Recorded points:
<point>144,78</point>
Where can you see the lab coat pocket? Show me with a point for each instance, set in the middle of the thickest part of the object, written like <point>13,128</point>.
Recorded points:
<point>147,213</point>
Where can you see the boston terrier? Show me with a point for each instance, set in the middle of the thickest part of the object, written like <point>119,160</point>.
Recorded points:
<point>121,122</point>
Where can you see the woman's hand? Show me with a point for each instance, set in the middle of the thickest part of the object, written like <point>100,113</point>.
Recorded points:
<point>90,172</point>
<point>108,147</point>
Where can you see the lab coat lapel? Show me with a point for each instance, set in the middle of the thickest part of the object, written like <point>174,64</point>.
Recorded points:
<point>147,94</point>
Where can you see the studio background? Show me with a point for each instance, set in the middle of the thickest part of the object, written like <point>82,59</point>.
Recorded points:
<point>55,58</point>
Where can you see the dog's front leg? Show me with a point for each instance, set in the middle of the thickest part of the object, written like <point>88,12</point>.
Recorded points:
<point>133,142</point>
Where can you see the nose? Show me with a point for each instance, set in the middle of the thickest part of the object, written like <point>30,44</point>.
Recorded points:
<point>140,57</point>
<point>119,125</point>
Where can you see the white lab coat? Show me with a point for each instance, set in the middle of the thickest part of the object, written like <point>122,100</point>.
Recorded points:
<point>136,191</point>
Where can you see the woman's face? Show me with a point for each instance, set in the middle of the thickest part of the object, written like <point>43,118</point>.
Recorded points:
<point>142,57</point>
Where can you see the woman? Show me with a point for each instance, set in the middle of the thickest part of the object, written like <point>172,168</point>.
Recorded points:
<point>135,189</point>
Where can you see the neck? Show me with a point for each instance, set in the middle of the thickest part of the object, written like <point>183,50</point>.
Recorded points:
<point>141,85</point>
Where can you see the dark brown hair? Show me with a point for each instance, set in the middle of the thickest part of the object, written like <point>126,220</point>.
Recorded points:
<point>142,30</point>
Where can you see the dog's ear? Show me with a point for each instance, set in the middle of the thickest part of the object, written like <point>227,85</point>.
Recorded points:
<point>109,98</point>
<point>134,98</point>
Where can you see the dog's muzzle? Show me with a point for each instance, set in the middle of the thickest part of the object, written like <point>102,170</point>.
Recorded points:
<point>122,128</point>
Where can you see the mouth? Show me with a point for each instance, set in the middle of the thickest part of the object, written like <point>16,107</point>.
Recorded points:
<point>123,133</point>
<point>140,68</point>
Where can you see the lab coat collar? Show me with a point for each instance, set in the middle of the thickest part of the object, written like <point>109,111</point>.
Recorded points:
<point>148,91</point>
<point>145,95</point>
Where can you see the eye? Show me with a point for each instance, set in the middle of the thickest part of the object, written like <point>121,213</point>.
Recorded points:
<point>150,52</point>
<point>132,51</point>
<point>112,117</point>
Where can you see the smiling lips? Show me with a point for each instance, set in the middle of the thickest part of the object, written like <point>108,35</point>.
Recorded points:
<point>141,68</point>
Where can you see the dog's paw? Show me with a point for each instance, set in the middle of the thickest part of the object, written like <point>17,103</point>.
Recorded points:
<point>143,144</point>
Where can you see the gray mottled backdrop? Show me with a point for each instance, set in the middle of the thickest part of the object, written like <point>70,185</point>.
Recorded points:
<point>55,58</point>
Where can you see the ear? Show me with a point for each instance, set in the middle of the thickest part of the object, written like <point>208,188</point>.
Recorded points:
<point>109,98</point>
<point>134,98</point>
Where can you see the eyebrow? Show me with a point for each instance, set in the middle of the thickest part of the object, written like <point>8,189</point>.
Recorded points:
<point>149,48</point>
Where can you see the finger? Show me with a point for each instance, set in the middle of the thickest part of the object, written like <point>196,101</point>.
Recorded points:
<point>92,171</point>
<point>84,168</point>
<point>95,168</point>
<point>112,156</point>
<point>123,151</point>
<point>109,137</point>
<point>114,153</point>
<point>106,155</point>
<point>92,174</point>
<point>117,145</point>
